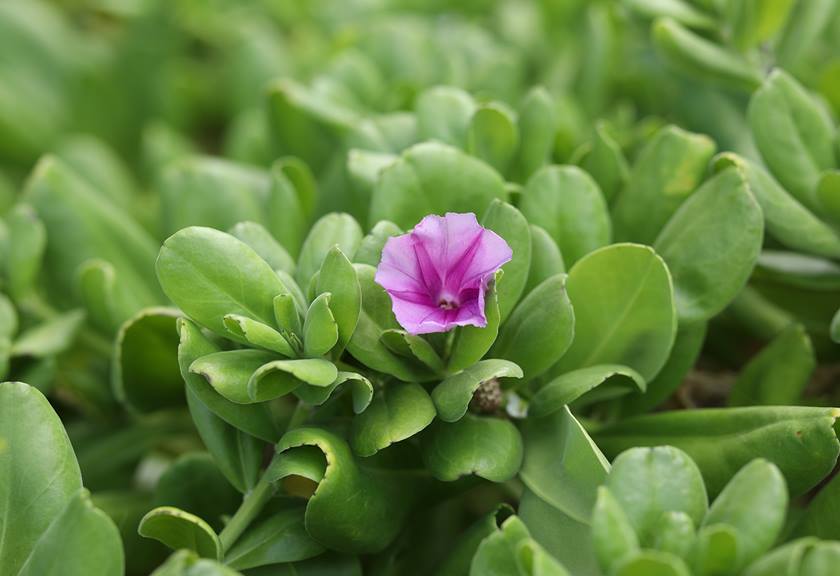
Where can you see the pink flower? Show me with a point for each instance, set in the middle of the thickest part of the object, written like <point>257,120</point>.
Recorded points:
<point>437,274</point>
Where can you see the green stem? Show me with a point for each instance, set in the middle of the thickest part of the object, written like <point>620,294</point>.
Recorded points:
<point>251,507</point>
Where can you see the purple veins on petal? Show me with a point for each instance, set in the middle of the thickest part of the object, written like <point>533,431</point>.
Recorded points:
<point>437,274</point>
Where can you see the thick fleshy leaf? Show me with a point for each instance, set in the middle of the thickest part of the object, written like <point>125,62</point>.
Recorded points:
<point>799,440</point>
<point>21,265</point>
<point>144,369</point>
<point>453,395</point>
<point>562,470</point>
<point>786,219</point>
<point>606,163</point>
<point>178,529</point>
<point>50,337</point>
<point>188,563</point>
<point>701,58</point>
<point>338,277</point>
<point>496,555</point>
<point>794,134</point>
<point>567,203</point>
<point>413,346</point>
<point>753,504</point>
<point>493,136</point>
<point>229,371</point>
<point>510,224</point>
<point>360,388</point>
<point>348,496</point>
<point>204,272</point>
<point>280,377</point>
<point>47,518</point>
<point>570,386</point>
<point>666,172</point>
<point>540,330</point>
<point>258,334</point>
<point>651,563</point>
<point>370,249</point>
<point>711,245</point>
<point>320,331</point>
<point>613,535</point>
<point>278,538</point>
<point>546,260</point>
<point>649,482</point>
<point>397,412</point>
<point>804,26</point>
<point>202,397</point>
<point>777,376</point>
<point>624,310</point>
<point>537,122</point>
<point>432,178</point>
<point>444,114</point>
<point>331,230</point>
<point>487,447</point>
<point>257,237</point>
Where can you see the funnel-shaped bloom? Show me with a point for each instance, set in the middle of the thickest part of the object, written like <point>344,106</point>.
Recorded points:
<point>437,274</point>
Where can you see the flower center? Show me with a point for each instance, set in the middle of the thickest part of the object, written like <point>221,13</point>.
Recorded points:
<point>445,303</point>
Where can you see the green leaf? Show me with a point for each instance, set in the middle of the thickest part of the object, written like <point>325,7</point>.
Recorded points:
<point>786,219</point>
<point>799,440</point>
<point>492,135</point>
<point>453,395</point>
<point>360,387</point>
<point>690,53</point>
<point>567,203</point>
<point>570,386</point>
<point>667,171</point>
<point>562,470</point>
<point>258,334</point>
<point>413,346</point>
<point>257,237</point>
<point>540,330</point>
<point>397,412</point>
<point>624,311</point>
<point>285,209</point>
<point>432,178</point>
<point>711,245</point>
<point>370,250</point>
<point>779,373</point>
<point>331,230</point>
<point>286,315</point>
<point>144,370</point>
<point>280,377</point>
<point>178,529</point>
<point>47,517</point>
<point>490,448</point>
<point>348,496</point>
<point>828,197</point>
<point>22,265</point>
<point>606,163</point>
<point>804,26</point>
<point>187,563</point>
<point>229,371</point>
<point>376,317</point>
<point>338,277</point>
<point>497,553</point>
<point>205,273</point>
<point>253,419</point>
<point>444,114</point>
<point>471,343</point>
<point>320,331</point>
<point>683,12</point>
<point>753,504</point>
<point>80,225</point>
<point>213,192</point>
<point>537,122</point>
<point>458,560</point>
<point>96,288</point>
<point>510,224</point>
<point>305,185</point>
<point>794,135</point>
<point>279,538</point>
<point>715,550</point>
<point>51,337</point>
<point>754,21</point>
<point>649,482</point>
<point>652,563</point>
<point>612,533</point>
<point>675,534</point>
<point>81,541</point>
<point>546,260</point>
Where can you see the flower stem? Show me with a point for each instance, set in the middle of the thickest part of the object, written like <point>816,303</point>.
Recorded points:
<point>252,505</point>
